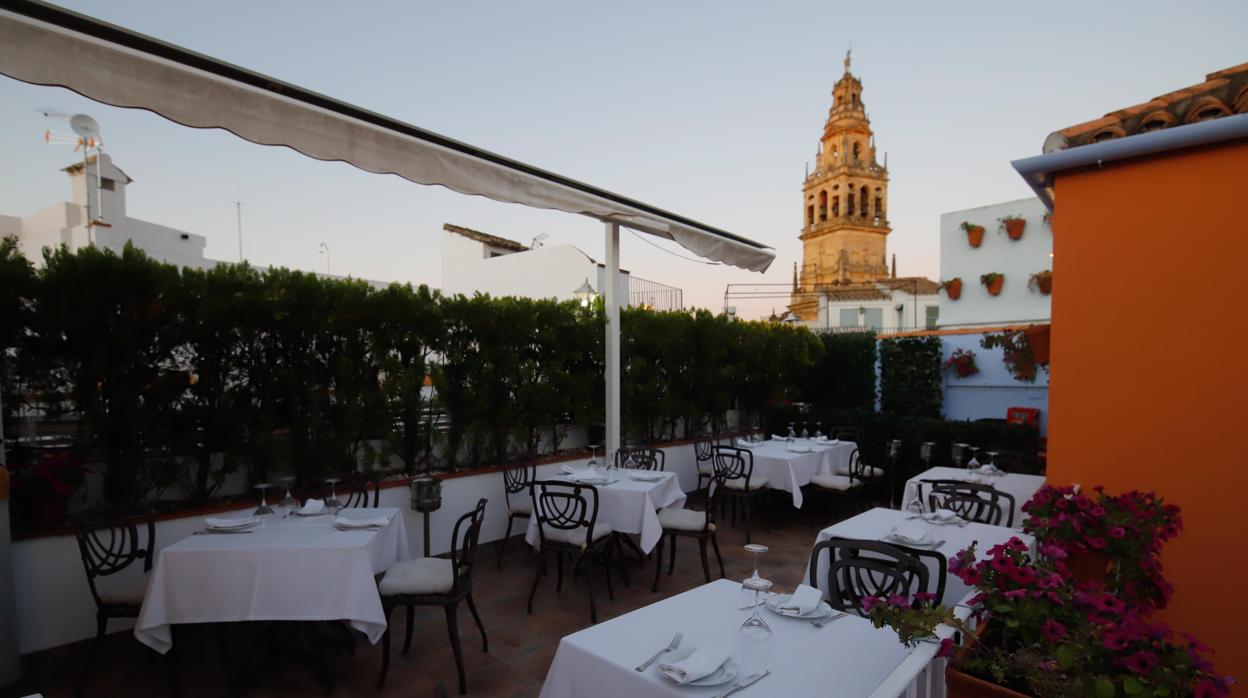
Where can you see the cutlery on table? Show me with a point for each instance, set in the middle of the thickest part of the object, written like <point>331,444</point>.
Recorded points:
<point>670,646</point>
<point>745,683</point>
<point>820,622</point>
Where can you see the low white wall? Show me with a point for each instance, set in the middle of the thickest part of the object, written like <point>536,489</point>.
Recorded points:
<point>54,605</point>
<point>992,391</point>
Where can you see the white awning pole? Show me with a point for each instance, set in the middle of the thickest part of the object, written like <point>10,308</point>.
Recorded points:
<point>611,293</point>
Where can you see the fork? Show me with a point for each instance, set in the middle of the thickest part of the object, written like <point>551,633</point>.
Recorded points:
<point>820,622</point>
<point>670,646</point>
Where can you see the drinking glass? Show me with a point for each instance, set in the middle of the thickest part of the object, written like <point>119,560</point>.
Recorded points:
<point>333,504</point>
<point>755,638</point>
<point>792,433</point>
<point>288,503</point>
<point>805,431</point>
<point>915,507</point>
<point>973,462</point>
<point>593,459</point>
<point>992,458</point>
<point>754,549</point>
<point>629,463</point>
<point>264,509</point>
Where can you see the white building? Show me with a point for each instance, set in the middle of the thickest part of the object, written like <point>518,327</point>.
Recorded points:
<point>473,261</point>
<point>894,304</point>
<point>65,223</point>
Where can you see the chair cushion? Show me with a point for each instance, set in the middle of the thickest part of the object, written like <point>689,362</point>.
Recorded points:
<point>683,519</point>
<point>738,483</point>
<point>867,470</point>
<point>837,483</point>
<point>122,592</point>
<point>426,575</point>
<point>520,507</point>
<point>575,536</point>
<point>706,468</point>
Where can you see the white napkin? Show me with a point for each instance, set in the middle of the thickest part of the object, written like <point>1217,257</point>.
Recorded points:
<point>800,449</point>
<point>312,506</point>
<point>909,534</point>
<point>944,515</point>
<point>646,476</point>
<point>569,469</point>
<point>989,469</point>
<point>704,661</point>
<point>805,600</point>
<point>743,443</point>
<point>777,437</point>
<point>361,522</point>
<point>586,474</point>
<point>227,523</point>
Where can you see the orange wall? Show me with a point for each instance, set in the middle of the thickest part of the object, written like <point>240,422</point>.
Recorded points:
<point>1149,380</point>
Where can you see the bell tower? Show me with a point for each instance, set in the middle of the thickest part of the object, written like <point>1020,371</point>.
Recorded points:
<point>844,203</point>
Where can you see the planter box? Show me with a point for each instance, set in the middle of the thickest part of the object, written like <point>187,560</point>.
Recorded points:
<point>960,685</point>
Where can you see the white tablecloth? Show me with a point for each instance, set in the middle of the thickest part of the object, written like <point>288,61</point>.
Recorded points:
<point>629,506</point>
<point>876,523</point>
<point>846,658</point>
<point>1022,487</point>
<point>789,471</point>
<point>297,568</point>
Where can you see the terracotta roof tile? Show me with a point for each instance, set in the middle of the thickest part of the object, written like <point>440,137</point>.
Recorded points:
<point>492,240</point>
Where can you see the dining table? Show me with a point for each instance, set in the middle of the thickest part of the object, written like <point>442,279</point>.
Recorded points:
<point>629,501</point>
<point>948,539</point>
<point>847,657</point>
<point>1021,487</point>
<point>284,568</point>
<point>789,464</point>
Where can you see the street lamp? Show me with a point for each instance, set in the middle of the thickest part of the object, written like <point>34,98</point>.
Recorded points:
<point>324,249</point>
<point>585,293</point>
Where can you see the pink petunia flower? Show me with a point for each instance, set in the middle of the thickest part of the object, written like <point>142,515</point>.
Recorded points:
<point>1053,631</point>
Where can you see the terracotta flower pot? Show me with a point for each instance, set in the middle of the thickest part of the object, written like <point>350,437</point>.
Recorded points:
<point>1038,339</point>
<point>994,287</point>
<point>960,685</point>
<point>965,369</point>
<point>1045,284</point>
<point>1092,566</point>
<point>1014,228</point>
<point>975,235</point>
<point>954,289</point>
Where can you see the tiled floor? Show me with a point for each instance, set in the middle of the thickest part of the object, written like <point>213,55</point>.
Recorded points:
<point>521,645</point>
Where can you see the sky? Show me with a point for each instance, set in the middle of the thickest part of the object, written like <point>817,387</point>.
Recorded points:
<point>708,109</point>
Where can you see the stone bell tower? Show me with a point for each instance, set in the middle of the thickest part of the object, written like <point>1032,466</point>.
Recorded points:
<point>844,203</point>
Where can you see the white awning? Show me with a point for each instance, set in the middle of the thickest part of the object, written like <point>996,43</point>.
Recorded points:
<point>46,45</point>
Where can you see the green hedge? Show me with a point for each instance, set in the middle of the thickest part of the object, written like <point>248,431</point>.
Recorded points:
<point>910,378</point>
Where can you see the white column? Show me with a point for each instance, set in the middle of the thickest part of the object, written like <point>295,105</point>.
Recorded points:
<point>612,344</point>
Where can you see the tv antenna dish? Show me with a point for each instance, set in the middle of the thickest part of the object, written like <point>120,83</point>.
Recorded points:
<point>87,137</point>
<point>86,127</point>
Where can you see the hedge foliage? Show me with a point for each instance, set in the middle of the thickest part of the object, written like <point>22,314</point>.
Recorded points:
<point>283,372</point>
<point>910,378</point>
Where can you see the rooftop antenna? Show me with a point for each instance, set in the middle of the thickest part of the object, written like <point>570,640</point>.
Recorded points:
<point>86,136</point>
<point>537,241</point>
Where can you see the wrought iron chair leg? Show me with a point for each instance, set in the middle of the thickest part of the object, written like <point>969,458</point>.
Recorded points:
<point>658,564</point>
<point>671,560</point>
<point>101,626</point>
<point>746,505</point>
<point>385,648</point>
<point>502,547</point>
<point>715,545</point>
<point>589,585</point>
<point>541,570</point>
<point>407,634</point>
<point>485,643</point>
<point>559,566</point>
<point>706,568</point>
<point>604,558</point>
<point>452,626</point>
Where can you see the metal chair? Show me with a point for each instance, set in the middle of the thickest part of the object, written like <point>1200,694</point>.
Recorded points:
<point>110,540</point>
<point>853,434</point>
<point>567,524</point>
<point>844,484</point>
<point>435,581</point>
<point>704,454</point>
<point>972,501</point>
<point>356,495</point>
<point>857,569</point>
<point>691,523</point>
<point>516,481</point>
<point>736,467</point>
<point>644,458</point>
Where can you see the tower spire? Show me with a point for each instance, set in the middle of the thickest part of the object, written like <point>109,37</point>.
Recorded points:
<point>849,57</point>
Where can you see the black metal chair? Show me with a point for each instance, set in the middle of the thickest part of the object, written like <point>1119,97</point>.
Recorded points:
<point>856,569</point>
<point>704,455</point>
<point>845,484</point>
<point>567,524</point>
<point>694,524</point>
<point>110,540</point>
<point>435,581</point>
<point>972,501</point>
<point>736,467</point>
<point>853,434</point>
<point>357,494</point>
<point>644,458</point>
<point>516,482</point>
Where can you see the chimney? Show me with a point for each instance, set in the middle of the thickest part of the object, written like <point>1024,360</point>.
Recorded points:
<point>894,265</point>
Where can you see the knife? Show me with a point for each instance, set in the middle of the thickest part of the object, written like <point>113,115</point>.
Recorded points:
<point>749,681</point>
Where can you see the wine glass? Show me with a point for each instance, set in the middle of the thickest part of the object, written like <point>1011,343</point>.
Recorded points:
<point>755,639</point>
<point>629,463</point>
<point>992,459</point>
<point>915,507</point>
<point>792,433</point>
<point>805,431</point>
<point>288,503</point>
<point>754,549</point>
<point>973,462</point>
<point>333,503</point>
<point>264,509</point>
<point>593,456</point>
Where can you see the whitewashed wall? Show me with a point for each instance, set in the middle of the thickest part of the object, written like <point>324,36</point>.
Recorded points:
<point>1016,259</point>
<point>54,604</point>
<point>554,271</point>
<point>992,391</point>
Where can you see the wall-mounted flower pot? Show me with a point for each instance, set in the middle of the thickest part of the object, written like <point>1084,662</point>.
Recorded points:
<point>1038,339</point>
<point>953,289</point>
<point>1014,228</point>
<point>995,285</point>
<point>1045,284</point>
<point>974,234</point>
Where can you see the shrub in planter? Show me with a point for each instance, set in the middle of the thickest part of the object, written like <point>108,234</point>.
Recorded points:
<point>993,282</point>
<point>1042,281</point>
<point>953,288</point>
<point>1013,226</point>
<point>963,362</point>
<point>974,233</point>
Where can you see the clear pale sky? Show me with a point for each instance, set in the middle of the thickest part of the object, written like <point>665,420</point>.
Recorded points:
<point>709,109</point>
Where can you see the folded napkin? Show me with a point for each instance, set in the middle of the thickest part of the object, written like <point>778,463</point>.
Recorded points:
<point>800,449</point>
<point>944,515</point>
<point>805,600</point>
<point>312,506</point>
<point>741,443</point>
<point>989,469</point>
<point>909,534</point>
<point>221,522</point>
<point>586,475</point>
<point>361,522</point>
<point>568,469</point>
<point>777,437</point>
<point>646,476</point>
<point>703,662</point>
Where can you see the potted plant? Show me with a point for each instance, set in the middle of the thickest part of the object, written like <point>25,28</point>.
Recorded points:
<point>953,288</point>
<point>1013,226</point>
<point>1041,281</point>
<point>43,480</point>
<point>1019,359</point>
<point>974,233</point>
<point>993,282</point>
<point>963,362</point>
<point>1037,337</point>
